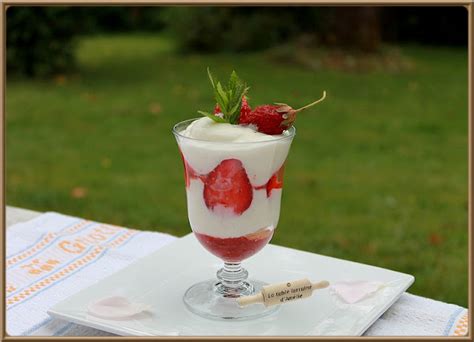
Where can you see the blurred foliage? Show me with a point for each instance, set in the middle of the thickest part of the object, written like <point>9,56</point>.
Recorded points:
<point>426,25</point>
<point>355,28</point>
<point>231,28</point>
<point>211,29</point>
<point>254,28</point>
<point>40,40</point>
<point>122,19</point>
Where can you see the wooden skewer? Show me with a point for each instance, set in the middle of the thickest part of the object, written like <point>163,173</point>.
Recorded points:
<point>260,296</point>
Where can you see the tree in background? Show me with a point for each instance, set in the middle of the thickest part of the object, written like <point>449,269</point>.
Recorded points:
<point>353,28</point>
<point>41,40</point>
<point>213,29</point>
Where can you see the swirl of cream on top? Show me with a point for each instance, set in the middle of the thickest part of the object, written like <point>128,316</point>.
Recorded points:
<point>209,130</point>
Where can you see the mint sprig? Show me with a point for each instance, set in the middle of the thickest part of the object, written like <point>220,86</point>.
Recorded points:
<point>229,98</point>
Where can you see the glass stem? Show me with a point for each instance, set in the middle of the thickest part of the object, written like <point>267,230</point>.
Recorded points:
<point>232,274</point>
<point>232,280</point>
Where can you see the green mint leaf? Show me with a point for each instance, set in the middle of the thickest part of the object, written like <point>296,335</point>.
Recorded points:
<point>235,112</point>
<point>229,98</point>
<point>223,95</point>
<point>233,80</point>
<point>212,116</point>
<point>211,78</point>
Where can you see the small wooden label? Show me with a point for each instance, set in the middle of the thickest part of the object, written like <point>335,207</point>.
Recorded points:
<point>286,292</point>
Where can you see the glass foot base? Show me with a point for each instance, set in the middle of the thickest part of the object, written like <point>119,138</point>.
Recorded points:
<point>210,299</point>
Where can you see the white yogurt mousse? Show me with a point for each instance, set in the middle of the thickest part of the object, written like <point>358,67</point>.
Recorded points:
<point>204,145</point>
<point>209,130</point>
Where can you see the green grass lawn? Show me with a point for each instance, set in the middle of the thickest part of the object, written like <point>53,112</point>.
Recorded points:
<point>377,173</point>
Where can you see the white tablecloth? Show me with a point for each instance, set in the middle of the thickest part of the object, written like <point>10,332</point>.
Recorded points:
<point>52,256</point>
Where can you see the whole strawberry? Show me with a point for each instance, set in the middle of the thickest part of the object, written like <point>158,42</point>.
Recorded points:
<point>274,119</point>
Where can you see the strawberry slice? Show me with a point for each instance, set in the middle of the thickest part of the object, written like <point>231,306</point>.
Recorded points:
<point>228,186</point>
<point>189,172</point>
<point>186,175</point>
<point>276,181</point>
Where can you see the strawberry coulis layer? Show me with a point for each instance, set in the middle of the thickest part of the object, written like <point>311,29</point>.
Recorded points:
<point>235,249</point>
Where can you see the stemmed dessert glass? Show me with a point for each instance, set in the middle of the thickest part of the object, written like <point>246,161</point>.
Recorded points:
<point>233,192</point>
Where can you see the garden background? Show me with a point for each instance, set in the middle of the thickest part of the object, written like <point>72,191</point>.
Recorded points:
<point>377,173</point>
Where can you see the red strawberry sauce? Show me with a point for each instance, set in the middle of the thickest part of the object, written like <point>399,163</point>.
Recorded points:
<point>235,249</point>
<point>189,172</point>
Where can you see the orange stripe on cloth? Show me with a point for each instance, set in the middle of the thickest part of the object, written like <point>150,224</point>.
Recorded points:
<point>43,243</point>
<point>96,252</point>
<point>461,328</point>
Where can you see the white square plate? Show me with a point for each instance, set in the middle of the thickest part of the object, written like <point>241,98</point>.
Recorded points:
<point>161,279</point>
